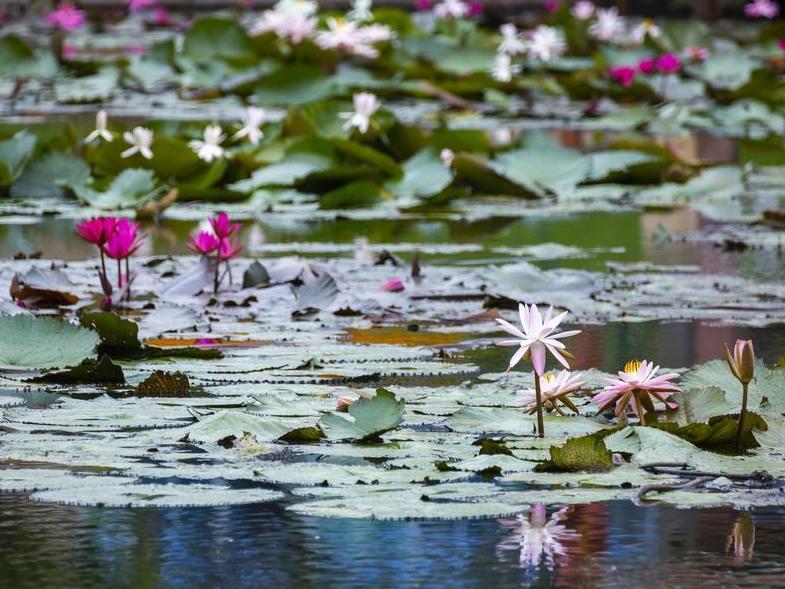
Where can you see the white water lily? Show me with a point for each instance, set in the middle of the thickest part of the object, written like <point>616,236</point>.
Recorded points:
<point>646,29</point>
<point>502,68</point>
<point>141,140</point>
<point>292,7</point>
<point>609,26</point>
<point>209,148</point>
<point>347,36</point>
<point>447,156</point>
<point>293,26</point>
<point>451,9</point>
<point>252,121</point>
<point>361,11</point>
<point>365,106</point>
<point>546,43</point>
<point>583,10</point>
<point>511,43</point>
<point>537,337</point>
<point>555,388</point>
<point>100,129</point>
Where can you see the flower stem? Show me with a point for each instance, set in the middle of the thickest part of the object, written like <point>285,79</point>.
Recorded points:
<point>538,392</point>
<point>215,277</point>
<point>641,418</point>
<point>742,415</point>
<point>103,263</point>
<point>119,275</point>
<point>128,280</point>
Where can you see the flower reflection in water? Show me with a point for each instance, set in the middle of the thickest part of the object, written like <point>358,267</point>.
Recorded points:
<point>741,540</point>
<point>540,540</point>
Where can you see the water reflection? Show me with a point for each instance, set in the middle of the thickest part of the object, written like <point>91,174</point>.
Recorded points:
<point>537,538</point>
<point>741,540</point>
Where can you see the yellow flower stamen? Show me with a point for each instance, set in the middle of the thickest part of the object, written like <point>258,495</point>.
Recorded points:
<point>632,366</point>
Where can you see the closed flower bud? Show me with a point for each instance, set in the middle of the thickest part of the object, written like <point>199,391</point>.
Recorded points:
<point>742,361</point>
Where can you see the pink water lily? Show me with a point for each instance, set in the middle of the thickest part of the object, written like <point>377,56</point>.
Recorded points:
<point>66,17</point>
<point>393,285</point>
<point>203,242</point>
<point>624,75</point>
<point>229,249</point>
<point>762,9</point>
<point>139,5</point>
<point>668,63</point>
<point>222,226</point>
<point>555,390</point>
<point>124,241</point>
<point>96,230</point>
<point>636,386</point>
<point>537,337</point>
<point>647,65</point>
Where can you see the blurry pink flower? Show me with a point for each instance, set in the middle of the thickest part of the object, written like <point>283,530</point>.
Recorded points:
<point>66,17</point>
<point>69,51</point>
<point>624,75</point>
<point>203,242</point>
<point>476,8</point>
<point>647,65</point>
<point>697,53</point>
<point>636,386</point>
<point>583,10</point>
<point>139,5</point>
<point>124,241</point>
<point>537,337</point>
<point>552,6</point>
<point>668,63</point>
<point>137,49</point>
<point>781,44</point>
<point>393,285</point>
<point>97,230</point>
<point>223,226</point>
<point>228,249</point>
<point>423,4</point>
<point>762,9</point>
<point>162,18</point>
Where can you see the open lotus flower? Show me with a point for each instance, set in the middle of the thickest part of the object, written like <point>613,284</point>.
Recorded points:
<point>541,541</point>
<point>203,242</point>
<point>555,390</point>
<point>97,230</point>
<point>511,43</point>
<point>635,387</point>
<point>66,17</point>
<point>537,337</point>
<point>222,226</point>
<point>546,43</point>
<point>347,36</point>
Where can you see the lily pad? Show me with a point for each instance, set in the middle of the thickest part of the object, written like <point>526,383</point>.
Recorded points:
<point>43,342</point>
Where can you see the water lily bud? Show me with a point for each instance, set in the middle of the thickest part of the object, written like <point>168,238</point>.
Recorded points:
<point>742,361</point>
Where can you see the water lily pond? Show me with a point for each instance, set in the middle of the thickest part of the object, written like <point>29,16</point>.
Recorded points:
<point>444,296</point>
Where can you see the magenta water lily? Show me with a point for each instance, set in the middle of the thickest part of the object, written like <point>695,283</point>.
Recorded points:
<point>115,238</point>
<point>217,245</point>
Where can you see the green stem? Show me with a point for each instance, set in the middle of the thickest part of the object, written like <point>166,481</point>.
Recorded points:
<point>119,275</point>
<point>128,280</point>
<point>742,415</point>
<point>538,392</point>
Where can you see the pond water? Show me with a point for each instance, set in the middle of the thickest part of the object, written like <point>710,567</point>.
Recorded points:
<point>615,544</point>
<point>602,545</point>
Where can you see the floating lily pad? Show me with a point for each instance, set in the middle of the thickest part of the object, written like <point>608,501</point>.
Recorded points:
<point>43,342</point>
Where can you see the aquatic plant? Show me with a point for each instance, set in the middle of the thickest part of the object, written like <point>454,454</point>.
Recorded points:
<point>539,539</point>
<point>217,245</point>
<point>101,131</point>
<point>365,106</point>
<point>555,390</point>
<point>209,147</point>
<point>66,17</point>
<point>141,140</point>
<point>742,364</point>
<point>251,128</point>
<point>762,9</point>
<point>536,338</point>
<point>635,387</point>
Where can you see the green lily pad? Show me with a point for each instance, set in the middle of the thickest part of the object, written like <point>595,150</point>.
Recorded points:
<point>367,419</point>
<point>43,342</point>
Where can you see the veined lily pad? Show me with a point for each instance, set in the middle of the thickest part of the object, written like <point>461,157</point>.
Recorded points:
<point>43,342</point>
